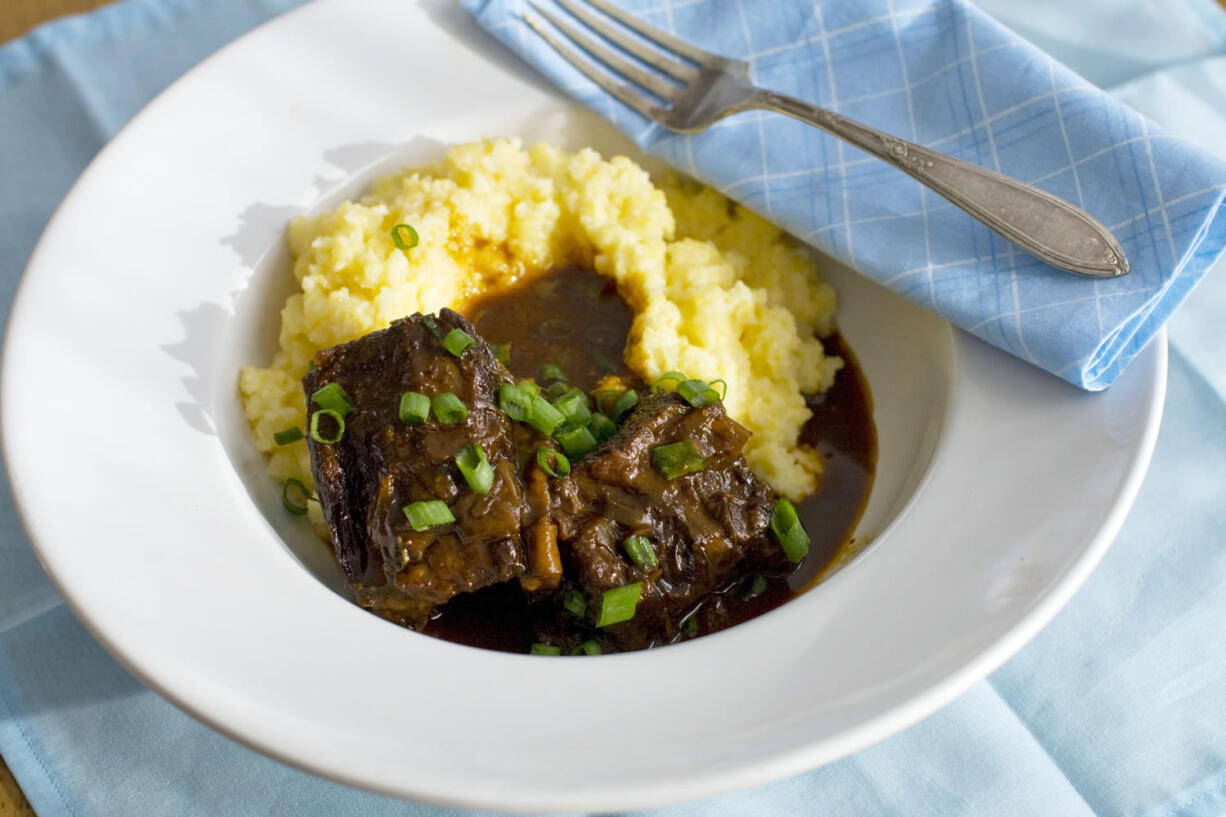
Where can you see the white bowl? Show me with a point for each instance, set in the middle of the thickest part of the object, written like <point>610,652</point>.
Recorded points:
<point>998,486</point>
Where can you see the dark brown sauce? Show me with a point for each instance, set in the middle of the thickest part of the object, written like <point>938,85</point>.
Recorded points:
<point>574,318</point>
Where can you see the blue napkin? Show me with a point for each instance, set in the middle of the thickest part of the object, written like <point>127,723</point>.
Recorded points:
<point>1118,707</point>
<point>946,75</point>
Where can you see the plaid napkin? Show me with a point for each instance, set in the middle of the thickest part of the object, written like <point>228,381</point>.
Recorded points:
<point>944,74</point>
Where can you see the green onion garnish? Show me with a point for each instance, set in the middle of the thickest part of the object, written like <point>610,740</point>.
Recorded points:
<point>552,371</point>
<point>697,393</point>
<point>691,626</point>
<point>448,408</point>
<point>560,466</point>
<point>576,602</point>
<point>624,405</point>
<point>604,400</point>
<point>578,443</point>
<point>573,406</point>
<point>414,407</point>
<point>502,351</point>
<point>757,586</point>
<point>290,505</point>
<point>457,341</point>
<point>589,647</point>
<point>475,468</point>
<point>602,427</point>
<point>333,398</point>
<point>788,531</point>
<point>425,515</point>
<point>619,604</point>
<point>529,388</point>
<point>677,459</point>
<point>340,426</point>
<point>723,387</point>
<point>544,417</point>
<point>641,552</point>
<point>514,402</point>
<point>432,326</point>
<point>545,649</point>
<point>287,435</point>
<point>404,236</point>
<point>556,389</point>
<point>663,381</point>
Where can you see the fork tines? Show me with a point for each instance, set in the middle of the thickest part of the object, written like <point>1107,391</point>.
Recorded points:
<point>674,61</point>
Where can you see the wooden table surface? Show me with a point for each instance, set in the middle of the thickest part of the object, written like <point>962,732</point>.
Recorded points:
<point>16,18</point>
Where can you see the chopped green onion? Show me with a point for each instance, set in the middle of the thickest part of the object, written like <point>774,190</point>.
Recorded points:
<point>697,393</point>
<point>619,604</point>
<point>458,341</point>
<point>578,443</point>
<point>573,406</point>
<point>544,418</point>
<point>602,427</point>
<point>310,365</point>
<point>624,405</point>
<point>561,466</point>
<point>757,586</point>
<point>589,647</point>
<point>333,398</point>
<point>290,505</point>
<point>576,602</point>
<point>425,515</point>
<point>552,371</point>
<point>404,236</point>
<point>414,407</point>
<point>691,626</point>
<point>556,389</point>
<point>502,351</point>
<point>529,388</point>
<point>448,408</point>
<point>287,435</point>
<point>641,552</point>
<point>677,459</point>
<point>663,381</point>
<point>340,426</point>
<point>514,402</point>
<point>545,649</point>
<point>475,468</point>
<point>723,390</point>
<point>432,326</point>
<point>604,399</point>
<point>788,531</point>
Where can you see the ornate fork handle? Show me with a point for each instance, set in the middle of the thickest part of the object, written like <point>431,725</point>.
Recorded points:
<point>1042,224</point>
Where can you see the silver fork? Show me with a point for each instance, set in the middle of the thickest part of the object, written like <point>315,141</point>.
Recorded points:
<point>696,88</point>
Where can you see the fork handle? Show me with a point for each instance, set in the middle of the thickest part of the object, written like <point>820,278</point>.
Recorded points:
<point>1044,225</point>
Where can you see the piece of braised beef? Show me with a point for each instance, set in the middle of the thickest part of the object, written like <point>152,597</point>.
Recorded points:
<point>381,465</point>
<point>708,528</point>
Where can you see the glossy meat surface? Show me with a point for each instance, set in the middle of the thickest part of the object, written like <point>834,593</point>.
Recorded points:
<point>382,464</point>
<point>708,528</point>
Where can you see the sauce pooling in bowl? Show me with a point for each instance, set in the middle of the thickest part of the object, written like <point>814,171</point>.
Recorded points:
<point>574,318</point>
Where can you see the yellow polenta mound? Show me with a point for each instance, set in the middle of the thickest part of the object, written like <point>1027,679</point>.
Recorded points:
<point>718,293</point>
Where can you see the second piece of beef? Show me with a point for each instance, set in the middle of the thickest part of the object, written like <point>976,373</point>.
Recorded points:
<point>382,464</point>
<point>707,528</point>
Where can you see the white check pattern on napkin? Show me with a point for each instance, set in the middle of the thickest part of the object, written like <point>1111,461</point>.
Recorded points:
<point>946,75</point>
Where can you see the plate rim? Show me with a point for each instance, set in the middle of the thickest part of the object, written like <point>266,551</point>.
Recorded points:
<point>773,768</point>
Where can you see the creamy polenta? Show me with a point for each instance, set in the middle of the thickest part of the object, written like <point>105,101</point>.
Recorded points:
<point>717,292</point>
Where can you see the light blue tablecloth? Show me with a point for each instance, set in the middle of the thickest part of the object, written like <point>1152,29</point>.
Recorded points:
<point>1119,707</point>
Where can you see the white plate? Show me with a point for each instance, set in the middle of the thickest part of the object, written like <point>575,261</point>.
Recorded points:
<point>999,487</point>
